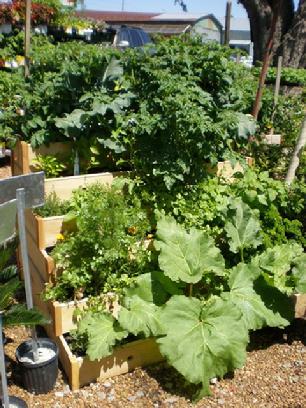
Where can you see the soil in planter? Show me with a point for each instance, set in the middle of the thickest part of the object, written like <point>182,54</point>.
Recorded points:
<point>76,345</point>
<point>44,354</point>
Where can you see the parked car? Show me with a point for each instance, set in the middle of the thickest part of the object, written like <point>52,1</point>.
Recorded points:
<point>131,37</point>
<point>121,37</point>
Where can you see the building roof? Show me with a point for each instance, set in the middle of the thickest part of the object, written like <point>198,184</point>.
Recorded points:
<point>109,16</point>
<point>190,17</point>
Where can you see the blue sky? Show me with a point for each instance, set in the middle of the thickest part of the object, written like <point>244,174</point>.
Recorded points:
<point>216,7</point>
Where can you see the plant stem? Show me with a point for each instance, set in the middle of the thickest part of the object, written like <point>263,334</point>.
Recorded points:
<point>241,255</point>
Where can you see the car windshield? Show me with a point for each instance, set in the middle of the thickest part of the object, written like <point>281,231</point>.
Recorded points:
<point>135,37</point>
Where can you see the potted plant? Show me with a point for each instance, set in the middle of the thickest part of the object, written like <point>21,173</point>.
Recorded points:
<point>39,371</point>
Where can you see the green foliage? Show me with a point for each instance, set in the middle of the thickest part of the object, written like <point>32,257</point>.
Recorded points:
<point>186,111</point>
<point>49,164</point>
<point>210,339</point>
<point>186,256</point>
<point>107,249</point>
<point>289,76</point>
<point>242,228</point>
<point>286,120</point>
<point>255,314</point>
<point>214,318</point>
<point>53,206</point>
<point>298,273</point>
<point>205,206</point>
<point>11,85</point>
<point>277,264</point>
<point>14,314</point>
<point>139,316</point>
<point>102,333</point>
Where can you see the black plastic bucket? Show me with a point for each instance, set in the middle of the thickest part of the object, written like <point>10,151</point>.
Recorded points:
<point>38,378</point>
<point>16,402</point>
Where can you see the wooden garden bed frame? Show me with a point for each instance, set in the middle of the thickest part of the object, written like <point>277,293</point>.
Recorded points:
<point>22,163</point>
<point>81,371</point>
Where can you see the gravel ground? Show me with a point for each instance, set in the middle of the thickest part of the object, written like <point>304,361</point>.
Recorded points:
<point>273,377</point>
<point>5,169</point>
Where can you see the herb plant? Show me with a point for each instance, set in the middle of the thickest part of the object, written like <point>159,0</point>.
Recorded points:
<point>104,246</point>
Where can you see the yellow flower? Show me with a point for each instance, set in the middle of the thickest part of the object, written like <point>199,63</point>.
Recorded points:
<point>132,230</point>
<point>60,237</point>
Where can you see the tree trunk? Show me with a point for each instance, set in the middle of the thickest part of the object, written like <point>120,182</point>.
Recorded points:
<point>290,36</point>
<point>294,42</point>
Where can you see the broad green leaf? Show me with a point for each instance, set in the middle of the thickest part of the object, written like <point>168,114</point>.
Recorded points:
<point>153,287</point>
<point>299,274</point>
<point>246,125</point>
<point>186,256</point>
<point>274,299</point>
<point>112,145</point>
<point>277,262</point>
<point>7,292</point>
<point>72,123</point>
<point>20,315</point>
<point>255,314</point>
<point>201,340</point>
<point>103,332</point>
<point>113,71</point>
<point>139,316</point>
<point>242,228</point>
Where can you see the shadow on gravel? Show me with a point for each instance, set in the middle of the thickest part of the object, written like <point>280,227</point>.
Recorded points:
<point>262,339</point>
<point>171,381</point>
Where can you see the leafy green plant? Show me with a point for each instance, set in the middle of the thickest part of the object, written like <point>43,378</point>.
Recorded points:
<point>104,248</point>
<point>289,76</point>
<point>53,206</point>
<point>205,206</point>
<point>14,313</point>
<point>214,318</point>
<point>49,164</point>
<point>187,111</point>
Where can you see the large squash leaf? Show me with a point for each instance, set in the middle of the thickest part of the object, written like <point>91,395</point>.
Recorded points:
<point>242,228</point>
<point>299,274</point>
<point>103,332</point>
<point>140,316</point>
<point>277,263</point>
<point>255,313</point>
<point>186,256</point>
<point>153,287</point>
<point>203,341</point>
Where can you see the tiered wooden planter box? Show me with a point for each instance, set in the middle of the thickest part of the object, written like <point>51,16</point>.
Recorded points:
<point>22,163</point>
<point>24,155</point>
<point>41,232</point>
<point>41,235</point>
<point>81,371</point>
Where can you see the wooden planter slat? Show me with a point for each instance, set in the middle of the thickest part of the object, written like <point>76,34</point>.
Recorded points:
<point>272,139</point>
<point>81,371</point>
<point>63,315</point>
<point>24,155</point>
<point>300,306</point>
<point>64,186</point>
<point>43,231</point>
<point>226,170</point>
<point>22,163</point>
